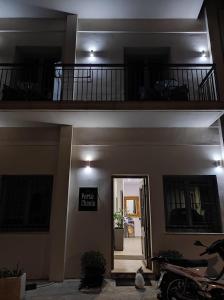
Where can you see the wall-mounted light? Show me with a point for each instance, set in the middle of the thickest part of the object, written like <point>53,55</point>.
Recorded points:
<point>91,53</point>
<point>219,163</point>
<point>88,165</point>
<point>203,53</point>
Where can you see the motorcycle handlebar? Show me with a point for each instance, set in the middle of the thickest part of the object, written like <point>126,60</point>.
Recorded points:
<point>158,258</point>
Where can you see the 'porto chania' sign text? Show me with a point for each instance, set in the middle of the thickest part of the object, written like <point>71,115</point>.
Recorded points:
<point>88,198</point>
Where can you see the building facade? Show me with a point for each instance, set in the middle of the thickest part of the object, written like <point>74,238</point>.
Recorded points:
<point>91,97</point>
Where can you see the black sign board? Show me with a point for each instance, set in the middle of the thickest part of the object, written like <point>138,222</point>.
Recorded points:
<point>88,198</point>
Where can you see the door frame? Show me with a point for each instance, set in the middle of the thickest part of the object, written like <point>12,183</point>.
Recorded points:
<point>148,207</point>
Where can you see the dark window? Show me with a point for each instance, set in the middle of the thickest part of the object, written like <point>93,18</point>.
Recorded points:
<point>192,204</point>
<point>25,202</point>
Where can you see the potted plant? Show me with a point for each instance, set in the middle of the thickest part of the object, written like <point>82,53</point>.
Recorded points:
<point>118,231</point>
<point>12,284</point>
<point>93,266</point>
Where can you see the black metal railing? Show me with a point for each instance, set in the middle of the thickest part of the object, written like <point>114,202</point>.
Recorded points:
<point>109,82</point>
<point>26,82</point>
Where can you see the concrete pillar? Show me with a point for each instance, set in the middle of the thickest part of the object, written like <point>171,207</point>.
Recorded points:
<point>69,56</point>
<point>213,11</point>
<point>69,47</point>
<point>58,229</point>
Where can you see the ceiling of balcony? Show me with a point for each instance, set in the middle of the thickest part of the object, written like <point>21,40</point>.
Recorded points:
<point>124,9</point>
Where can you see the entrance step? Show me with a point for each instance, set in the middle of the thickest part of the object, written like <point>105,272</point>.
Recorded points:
<point>128,279</point>
<point>130,257</point>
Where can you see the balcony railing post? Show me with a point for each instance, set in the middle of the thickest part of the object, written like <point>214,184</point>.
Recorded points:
<point>217,90</point>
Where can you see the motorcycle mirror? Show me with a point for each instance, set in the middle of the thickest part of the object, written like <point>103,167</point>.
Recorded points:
<point>198,243</point>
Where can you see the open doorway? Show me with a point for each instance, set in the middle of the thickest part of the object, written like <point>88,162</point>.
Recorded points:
<point>131,243</point>
<point>145,68</point>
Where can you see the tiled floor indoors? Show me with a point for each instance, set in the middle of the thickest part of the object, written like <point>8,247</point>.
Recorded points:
<point>132,247</point>
<point>130,259</point>
<point>68,290</point>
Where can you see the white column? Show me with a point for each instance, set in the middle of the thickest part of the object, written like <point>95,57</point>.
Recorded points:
<point>58,228</point>
<point>214,29</point>
<point>69,56</point>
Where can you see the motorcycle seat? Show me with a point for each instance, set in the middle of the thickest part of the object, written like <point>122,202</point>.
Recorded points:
<point>187,263</point>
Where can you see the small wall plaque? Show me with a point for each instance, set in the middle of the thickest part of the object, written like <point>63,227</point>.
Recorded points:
<point>88,197</point>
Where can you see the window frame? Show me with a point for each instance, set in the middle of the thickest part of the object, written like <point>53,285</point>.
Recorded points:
<point>27,223</point>
<point>187,181</point>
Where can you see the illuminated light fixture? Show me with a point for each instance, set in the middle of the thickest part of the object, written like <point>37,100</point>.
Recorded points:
<point>203,53</point>
<point>219,163</point>
<point>91,53</point>
<point>88,165</point>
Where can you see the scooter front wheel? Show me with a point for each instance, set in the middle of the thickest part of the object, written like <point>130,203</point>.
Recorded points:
<point>164,282</point>
<point>182,288</point>
<point>176,289</point>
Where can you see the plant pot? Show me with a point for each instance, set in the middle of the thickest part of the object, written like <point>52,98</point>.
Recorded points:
<point>93,278</point>
<point>13,288</point>
<point>118,239</point>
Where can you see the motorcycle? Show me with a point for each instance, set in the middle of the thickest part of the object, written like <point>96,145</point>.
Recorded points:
<point>181,279</point>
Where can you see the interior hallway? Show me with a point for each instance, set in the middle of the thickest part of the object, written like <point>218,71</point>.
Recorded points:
<point>132,249</point>
<point>130,259</point>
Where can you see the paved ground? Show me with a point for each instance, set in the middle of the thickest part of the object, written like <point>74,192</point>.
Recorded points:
<point>68,290</point>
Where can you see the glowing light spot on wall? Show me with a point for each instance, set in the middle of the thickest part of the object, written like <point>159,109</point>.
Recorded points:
<point>88,165</point>
<point>203,53</point>
<point>219,164</point>
<point>89,158</point>
<point>91,53</point>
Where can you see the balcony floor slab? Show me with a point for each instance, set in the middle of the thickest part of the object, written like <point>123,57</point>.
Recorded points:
<point>108,118</point>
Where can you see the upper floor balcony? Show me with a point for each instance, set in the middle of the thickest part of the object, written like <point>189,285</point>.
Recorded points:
<point>115,95</point>
<point>109,83</point>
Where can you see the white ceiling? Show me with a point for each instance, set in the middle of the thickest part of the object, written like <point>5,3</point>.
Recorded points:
<point>143,9</point>
<point>109,119</point>
<point>18,9</point>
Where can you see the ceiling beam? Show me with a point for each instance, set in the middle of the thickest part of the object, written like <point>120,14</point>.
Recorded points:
<point>32,24</point>
<point>141,26</point>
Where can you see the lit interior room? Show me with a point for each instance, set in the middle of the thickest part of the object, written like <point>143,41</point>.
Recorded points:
<point>129,229</point>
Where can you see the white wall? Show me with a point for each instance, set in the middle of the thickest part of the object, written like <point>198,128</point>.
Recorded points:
<point>108,38</point>
<point>9,41</point>
<point>45,32</point>
<point>109,47</point>
<point>131,188</point>
<point>27,151</point>
<point>126,156</point>
<point>153,152</point>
